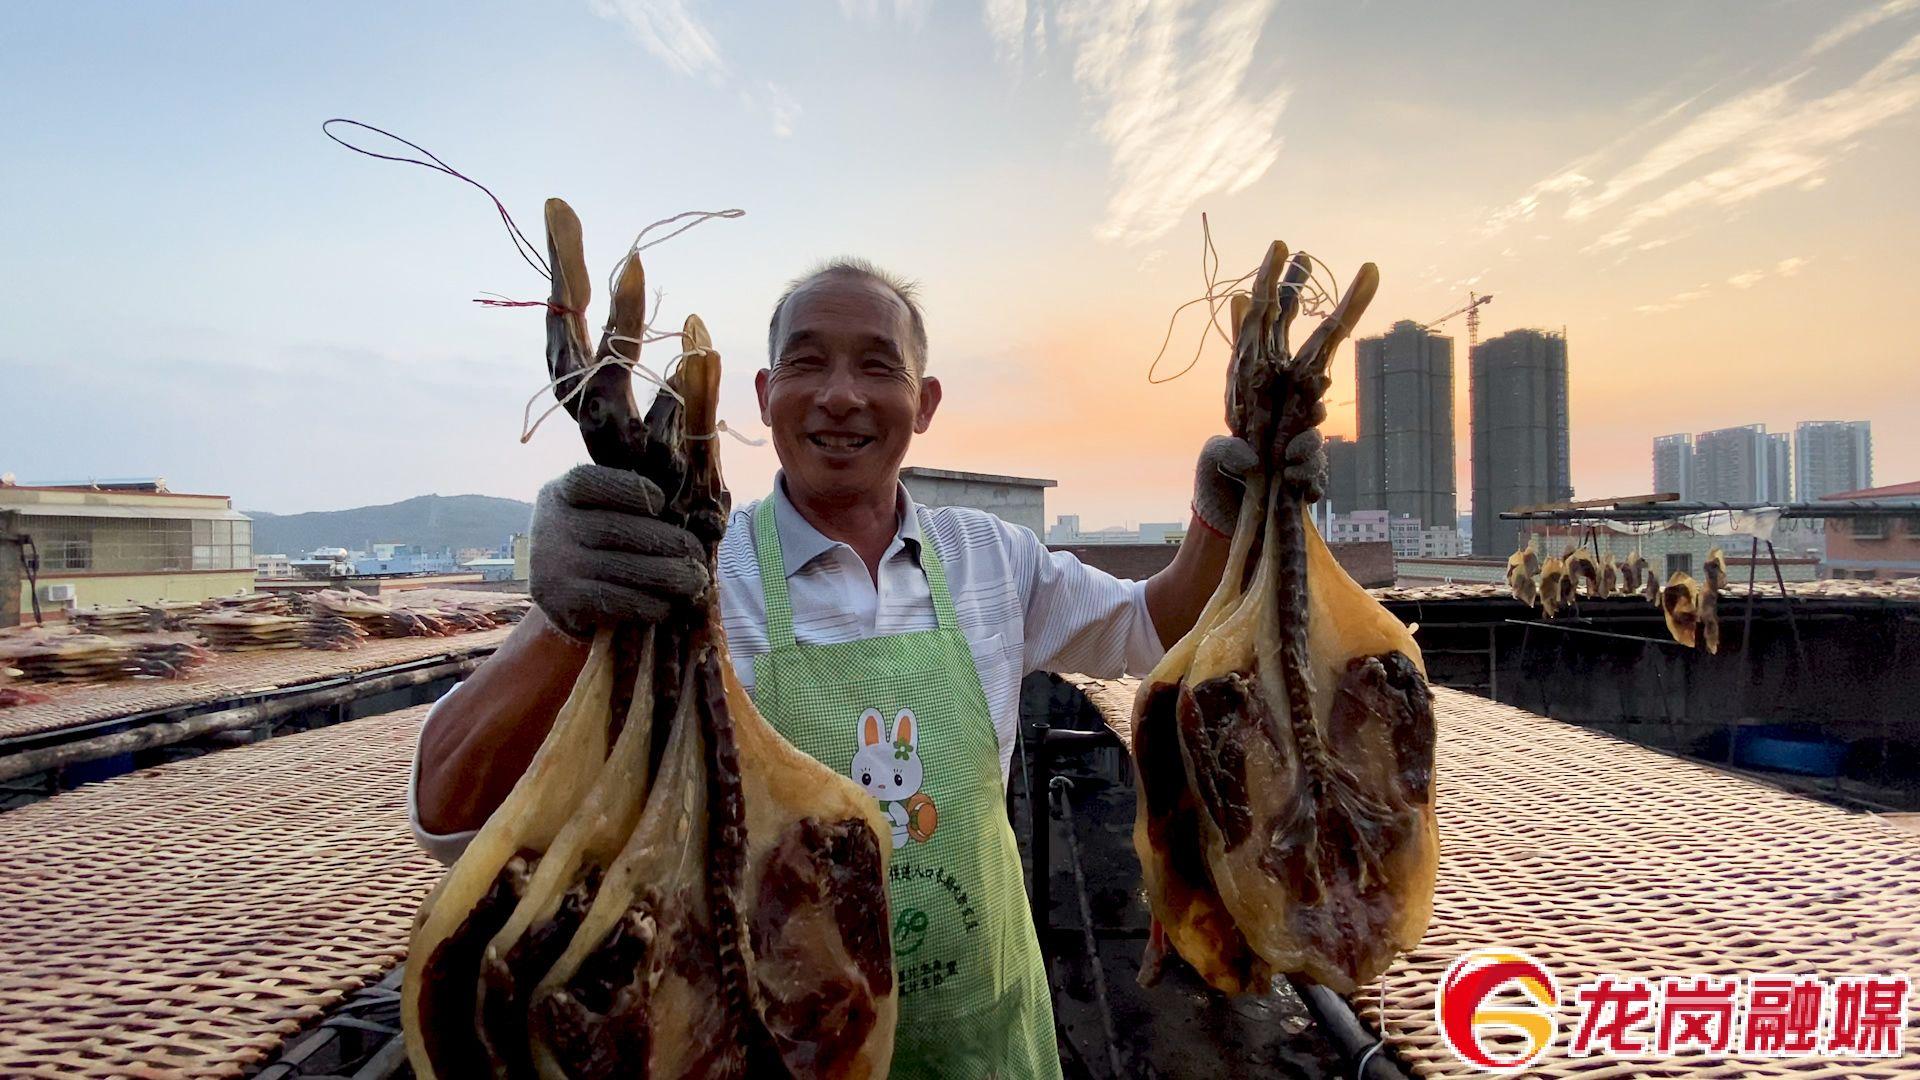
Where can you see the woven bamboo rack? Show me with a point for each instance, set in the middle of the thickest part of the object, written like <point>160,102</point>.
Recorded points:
<point>184,921</point>
<point>226,675</point>
<point>1596,856</point>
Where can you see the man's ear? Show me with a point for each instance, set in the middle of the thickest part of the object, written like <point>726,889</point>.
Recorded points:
<point>760,390</point>
<point>929,401</point>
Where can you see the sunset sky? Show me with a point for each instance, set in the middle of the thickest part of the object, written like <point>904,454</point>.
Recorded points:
<point>1715,200</point>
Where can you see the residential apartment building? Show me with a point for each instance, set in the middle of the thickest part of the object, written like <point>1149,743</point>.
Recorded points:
<point>1830,456</point>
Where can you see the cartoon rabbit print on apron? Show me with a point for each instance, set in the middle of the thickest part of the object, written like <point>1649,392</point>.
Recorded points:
<point>891,771</point>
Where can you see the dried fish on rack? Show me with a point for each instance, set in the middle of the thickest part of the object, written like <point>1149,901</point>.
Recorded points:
<point>60,655</point>
<point>334,633</point>
<point>472,610</point>
<point>376,617</point>
<point>129,619</point>
<point>1285,745</point>
<point>12,695</point>
<point>242,632</point>
<point>174,614</point>
<point>257,603</point>
<point>164,655</point>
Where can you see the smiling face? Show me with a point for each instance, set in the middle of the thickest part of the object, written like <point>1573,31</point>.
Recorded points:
<point>844,396</point>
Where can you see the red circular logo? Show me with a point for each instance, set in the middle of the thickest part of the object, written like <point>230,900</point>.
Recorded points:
<point>1464,1007</point>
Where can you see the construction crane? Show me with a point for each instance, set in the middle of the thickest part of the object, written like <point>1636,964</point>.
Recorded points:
<point>1472,312</point>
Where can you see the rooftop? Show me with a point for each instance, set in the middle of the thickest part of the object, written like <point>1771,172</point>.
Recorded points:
<point>918,472</point>
<point>1908,490</point>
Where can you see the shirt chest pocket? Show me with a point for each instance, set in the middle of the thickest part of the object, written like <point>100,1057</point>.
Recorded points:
<point>997,663</point>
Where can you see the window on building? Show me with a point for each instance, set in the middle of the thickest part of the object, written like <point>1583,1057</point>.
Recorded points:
<point>1679,562</point>
<point>141,546</point>
<point>1868,528</point>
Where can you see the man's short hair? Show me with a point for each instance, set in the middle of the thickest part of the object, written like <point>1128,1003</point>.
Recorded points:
<point>848,266</point>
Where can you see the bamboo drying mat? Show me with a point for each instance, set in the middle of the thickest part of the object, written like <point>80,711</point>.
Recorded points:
<point>1594,856</point>
<point>185,920</point>
<point>226,675</point>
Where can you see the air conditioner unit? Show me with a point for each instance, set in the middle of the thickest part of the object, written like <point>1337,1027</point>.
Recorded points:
<point>57,594</point>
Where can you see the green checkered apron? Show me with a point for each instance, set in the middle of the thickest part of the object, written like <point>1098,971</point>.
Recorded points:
<point>904,717</point>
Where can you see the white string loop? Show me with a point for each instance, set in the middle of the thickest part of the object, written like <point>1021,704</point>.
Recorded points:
<point>641,243</point>
<point>616,358</point>
<point>1318,298</point>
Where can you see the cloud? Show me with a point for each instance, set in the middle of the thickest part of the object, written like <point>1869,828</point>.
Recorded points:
<point>1863,21</point>
<point>783,108</point>
<point>1667,177</point>
<point>911,12</point>
<point>1007,25</point>
<point>1677,300</point>
<point>1167,81</point>
<point>1527,205</point>
<point>1793,144</point>
<point>1712,131</point>
<point>1786,267</point>
<point>669,31</point>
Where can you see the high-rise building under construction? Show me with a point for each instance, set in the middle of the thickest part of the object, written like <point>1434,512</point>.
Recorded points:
<point>1343,475</point>
<point>1521,456</point>
<point>1404,454</point>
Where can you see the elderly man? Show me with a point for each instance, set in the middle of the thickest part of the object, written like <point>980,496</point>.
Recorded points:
<point>845,601</point>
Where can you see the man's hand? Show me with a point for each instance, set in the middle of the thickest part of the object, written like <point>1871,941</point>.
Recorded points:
<point>1219,481</point>
<point>601,554</point>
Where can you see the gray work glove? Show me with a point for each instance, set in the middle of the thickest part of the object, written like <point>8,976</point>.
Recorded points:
<point>1219,480</point>
<point>601,554</point>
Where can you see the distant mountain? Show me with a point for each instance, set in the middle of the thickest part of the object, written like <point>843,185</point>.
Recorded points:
<point>432,521</point>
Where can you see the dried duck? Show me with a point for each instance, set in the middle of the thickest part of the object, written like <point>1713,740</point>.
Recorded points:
<point>1581,566</point>
<point>1523,568</point>
<point>1680,603</point>
<point>671,889</point>
<point>1716,587</point>
<point>1632,569</point>
<point>1285,745</point>
<point>1556,586</point>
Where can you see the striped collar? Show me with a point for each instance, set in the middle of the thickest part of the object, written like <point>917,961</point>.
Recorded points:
<point>801,543</point>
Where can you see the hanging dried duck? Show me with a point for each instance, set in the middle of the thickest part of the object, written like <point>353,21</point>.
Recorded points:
<point>1285,745</point>
<point>1716,587</point>
<point>671,889</point>
<point>1582,567</point>
<point>1632,569</point>
<point>1523,570</point>
<point>1556,586</point>
<point>1680,603</point>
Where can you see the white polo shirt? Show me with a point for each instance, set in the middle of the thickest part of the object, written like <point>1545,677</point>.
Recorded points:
<point>1021,607</point>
